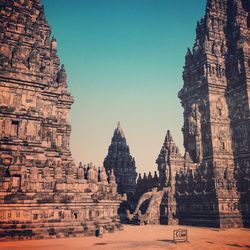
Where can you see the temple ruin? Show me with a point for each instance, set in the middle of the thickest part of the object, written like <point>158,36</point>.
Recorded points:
<point>210,185</point>
<point>215,97</point>
<point>42,192</point>
<point>122,163</point>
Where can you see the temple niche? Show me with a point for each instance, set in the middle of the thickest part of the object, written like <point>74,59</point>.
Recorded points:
<point>36,166</point>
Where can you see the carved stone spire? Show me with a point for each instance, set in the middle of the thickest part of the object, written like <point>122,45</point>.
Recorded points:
<point>168,152</point>
<point>35,158</point>
<point>119,134</point>
<point>53,43</point>
<point>62,76</point>
<point>215,83</point>
<point>121,162</point>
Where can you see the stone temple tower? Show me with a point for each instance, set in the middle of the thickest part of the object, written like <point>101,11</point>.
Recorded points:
<point>121,162</point>
<point>42,192</point>
<point>34,99</point>
<point>169,156</point>
<point>216,102</point>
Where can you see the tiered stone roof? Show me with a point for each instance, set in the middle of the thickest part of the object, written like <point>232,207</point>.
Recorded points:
<point>120,160</point>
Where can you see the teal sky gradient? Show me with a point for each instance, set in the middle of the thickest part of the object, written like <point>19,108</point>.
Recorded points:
<point>124,60</point>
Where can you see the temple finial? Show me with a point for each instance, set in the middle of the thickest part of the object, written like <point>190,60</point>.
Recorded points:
<point>119,130</point>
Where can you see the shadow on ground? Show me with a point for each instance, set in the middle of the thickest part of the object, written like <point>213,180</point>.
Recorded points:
<point>166,241</point>
<point>237,245</point>
<point>100,244</point>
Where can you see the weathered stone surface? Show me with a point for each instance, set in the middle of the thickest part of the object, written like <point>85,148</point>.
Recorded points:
<point>121,162</point>
<point>210,185</point>
<point>42,192</point>
<point>148,210</point>
<point>146,183</point>
<point>156,196</point>
<point>215,98</point>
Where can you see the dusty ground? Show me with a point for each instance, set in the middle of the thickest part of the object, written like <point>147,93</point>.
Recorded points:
<point>144,237</point>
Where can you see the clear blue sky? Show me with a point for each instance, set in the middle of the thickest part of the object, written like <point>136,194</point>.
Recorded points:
<point>124,60</point>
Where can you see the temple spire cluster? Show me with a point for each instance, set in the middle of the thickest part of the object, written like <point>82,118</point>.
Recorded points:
<point>209,185</point>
